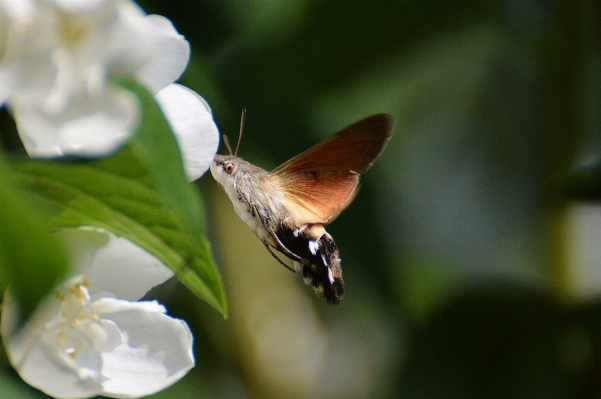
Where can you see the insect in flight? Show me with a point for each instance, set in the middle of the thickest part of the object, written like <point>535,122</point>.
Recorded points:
<point>288,207</point>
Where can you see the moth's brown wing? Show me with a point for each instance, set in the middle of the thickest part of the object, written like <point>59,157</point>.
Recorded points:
<point>354,148</point>
<point>323,180</point>
<point>318,197</point>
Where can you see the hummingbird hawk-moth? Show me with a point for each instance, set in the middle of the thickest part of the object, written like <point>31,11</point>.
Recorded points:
<point>288,207</point>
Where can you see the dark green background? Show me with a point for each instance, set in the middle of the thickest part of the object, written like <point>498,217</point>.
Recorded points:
<point>454,251</point>
<point>452,248</point>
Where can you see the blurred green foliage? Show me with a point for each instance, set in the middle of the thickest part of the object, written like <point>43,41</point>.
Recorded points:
<point>454,251</point>
<point>31,261</point>
<point>459,279</point>
<point>140,192</point>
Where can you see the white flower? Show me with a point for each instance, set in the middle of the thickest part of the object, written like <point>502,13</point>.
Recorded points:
<point>84,341</point>
<point>192,122</point>
<point>56,58</point>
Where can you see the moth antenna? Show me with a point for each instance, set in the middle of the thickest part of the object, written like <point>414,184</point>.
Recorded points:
<point>227,143</point>
<point>242,121</point>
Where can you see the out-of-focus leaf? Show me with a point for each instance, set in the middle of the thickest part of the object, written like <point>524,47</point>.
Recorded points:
<point>159,151</point>
<point>490,345</point>
<point>117,194</point>
<point>31,262</point>
<point>425,287</point>
<point>140,193</point>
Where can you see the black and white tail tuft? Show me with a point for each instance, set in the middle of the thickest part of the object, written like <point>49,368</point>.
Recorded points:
<point>321,269</point>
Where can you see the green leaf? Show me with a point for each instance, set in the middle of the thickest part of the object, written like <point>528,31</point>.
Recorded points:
<point>160,152</point>
<point>140,193</point>
<point>118,194</point>
<point>13,387</point>
<point>31,262</point>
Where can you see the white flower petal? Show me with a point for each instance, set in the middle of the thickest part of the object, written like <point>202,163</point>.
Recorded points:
<point>74,347</point>
<point>107,305</point>
<point>105,335</point>
<point>137,270</point>
<point>41,371</point>
<point>88,127</point>
<point>56,57</point>
<point>132,40</point>
<point>165,65</point>
<point>5,87</point>
<point>19,11</point>
<point>81,244</point>
<point>36,362</point>
<point>111,263</point>
<point>192,122</point>
<point>78,6</point>
<point>158,352</point>
<point>21,340</point>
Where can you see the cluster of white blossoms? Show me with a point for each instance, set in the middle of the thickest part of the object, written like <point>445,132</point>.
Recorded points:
<point>58,59</point>
<point>91,337</point>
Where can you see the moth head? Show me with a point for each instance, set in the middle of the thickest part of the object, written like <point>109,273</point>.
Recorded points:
<point>228,163</point>
<point>230,170</point>
<point>224,167</point>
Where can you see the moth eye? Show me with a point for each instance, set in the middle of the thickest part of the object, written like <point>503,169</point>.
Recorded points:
<point>229,168</point>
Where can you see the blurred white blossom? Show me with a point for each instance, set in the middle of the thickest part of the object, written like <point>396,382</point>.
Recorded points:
<point>583,250</point>
<point>192,122</point>
<point>91,338</point>
<point>56,61</point>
